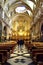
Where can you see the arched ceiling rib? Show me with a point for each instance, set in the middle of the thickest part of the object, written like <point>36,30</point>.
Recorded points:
<point>13,5</point>
<point>31,4</point>
<point>27,2</point>
<point>27,5</point>
<point>16,15</point>
<point>32,1</point>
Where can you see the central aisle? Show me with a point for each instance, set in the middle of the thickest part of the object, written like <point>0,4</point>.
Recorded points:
<point>20,57</point>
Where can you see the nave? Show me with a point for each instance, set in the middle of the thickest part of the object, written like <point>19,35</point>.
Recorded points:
<point>21,20</point>
<point>20,57</point>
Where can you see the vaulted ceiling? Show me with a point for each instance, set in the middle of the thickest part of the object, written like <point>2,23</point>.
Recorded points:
<point>9,6</point>
<point>20,15</point>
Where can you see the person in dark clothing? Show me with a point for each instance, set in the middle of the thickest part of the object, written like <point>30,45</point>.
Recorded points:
<point>20,43</point>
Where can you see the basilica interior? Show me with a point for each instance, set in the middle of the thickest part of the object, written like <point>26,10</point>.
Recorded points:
<point>21,32</point>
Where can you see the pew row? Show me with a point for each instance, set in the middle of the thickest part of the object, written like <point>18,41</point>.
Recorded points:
<point>36,50</point>
<point>37,44</point>
<point>6,48</point>
<point>37,55</point>
<point>40,63</point>
<point>28,45</point>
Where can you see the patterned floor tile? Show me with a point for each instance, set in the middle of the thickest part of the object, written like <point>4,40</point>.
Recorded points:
<point>20,57</point>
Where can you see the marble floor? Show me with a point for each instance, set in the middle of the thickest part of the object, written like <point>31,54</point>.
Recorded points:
<point>20,57</point>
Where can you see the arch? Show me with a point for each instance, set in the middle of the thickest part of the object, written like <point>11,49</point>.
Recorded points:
<point>18,3</point>
<point>31,4</point>
<point>32,1</point>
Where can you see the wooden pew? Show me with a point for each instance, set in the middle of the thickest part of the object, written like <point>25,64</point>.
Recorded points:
<point>5,49</point>
<point>28,45</point>
<point>37,55</point>
<point>40,59</point>
<point>38,44</point>
<point>1,57</point>
<point>40,63</point>
<point>4,56</point>
<point>7,45</point>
